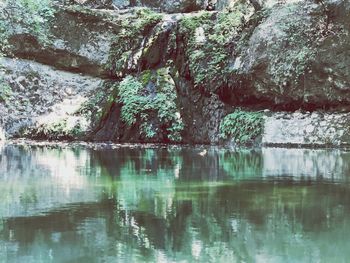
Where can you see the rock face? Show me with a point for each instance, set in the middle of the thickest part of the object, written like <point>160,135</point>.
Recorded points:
<point>43,97</point>
<point>298,57</point>
<point>76,40</point>
<point>310,129</point>
<point>289,56</point>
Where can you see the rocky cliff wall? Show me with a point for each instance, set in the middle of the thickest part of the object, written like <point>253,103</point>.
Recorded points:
<point>147,76</point>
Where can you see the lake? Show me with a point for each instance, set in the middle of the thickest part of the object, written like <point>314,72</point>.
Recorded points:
<point>104,203</point>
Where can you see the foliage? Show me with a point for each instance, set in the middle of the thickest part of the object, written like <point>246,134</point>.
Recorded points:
<point>209,59</point>
<point>127,42</point>
<point>242,126</point>
<point>5,91</point>
<point>32,15</point>
<point>63,129</point>
<point>151,95</point>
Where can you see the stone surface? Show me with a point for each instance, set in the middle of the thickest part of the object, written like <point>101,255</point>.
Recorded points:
<point>38,98</point>
<point>168,6</point>
<point>308,129</point>
<point>298,57</point>
<point>77,40</point>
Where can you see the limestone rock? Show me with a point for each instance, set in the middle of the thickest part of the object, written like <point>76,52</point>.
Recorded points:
<point>44,100</point>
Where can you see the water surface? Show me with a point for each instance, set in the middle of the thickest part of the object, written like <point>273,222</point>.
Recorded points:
<point>136,204</point>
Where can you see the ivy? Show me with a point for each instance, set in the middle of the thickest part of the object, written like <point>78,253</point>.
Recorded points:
<point>242,126</point>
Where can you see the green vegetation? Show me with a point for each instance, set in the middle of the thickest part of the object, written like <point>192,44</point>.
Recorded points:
<point>32,15</point>
<point>151,95</point>
<point>60,130</point>
<point>208,48</point>
<point>242,126</point>
<point>99,104</point>
<point>128,40</point>
<point>242,164</point>
<point>5,91</point>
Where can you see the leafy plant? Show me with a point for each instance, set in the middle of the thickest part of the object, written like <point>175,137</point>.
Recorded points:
<point>151,95</point>
<point>242,126</point>
<point>5,91</point>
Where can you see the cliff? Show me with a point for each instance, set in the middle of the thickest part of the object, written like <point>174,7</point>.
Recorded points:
<point>217,72</point>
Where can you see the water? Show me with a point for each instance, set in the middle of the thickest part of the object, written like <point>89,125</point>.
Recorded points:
<point>78,204</point>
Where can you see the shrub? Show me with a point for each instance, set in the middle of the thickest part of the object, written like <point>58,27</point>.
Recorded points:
<point>242,126</point>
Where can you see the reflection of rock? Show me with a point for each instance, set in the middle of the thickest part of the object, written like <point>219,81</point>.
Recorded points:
<point>49,180</point>
<point>304,163</point>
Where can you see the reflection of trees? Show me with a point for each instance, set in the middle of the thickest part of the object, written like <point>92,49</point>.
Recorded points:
<point>233,223</point>
<point>153,204</point>
<point>242,164</point>
<point>137,160</point>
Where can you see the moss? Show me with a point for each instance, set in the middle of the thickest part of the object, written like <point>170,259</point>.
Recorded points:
<point>129,39</point>
<point>209,59</point>
<point>299,45</point>
<point>243,127</point>
<point>149,101</point>
<point>99,104</point>
<point>189,24</point>
<point>146,77</point>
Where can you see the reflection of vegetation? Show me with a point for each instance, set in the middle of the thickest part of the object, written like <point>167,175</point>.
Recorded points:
<point>131,203</point>
<point>242,164</point>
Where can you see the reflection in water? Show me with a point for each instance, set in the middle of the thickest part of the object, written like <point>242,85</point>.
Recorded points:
<point>164,205</point>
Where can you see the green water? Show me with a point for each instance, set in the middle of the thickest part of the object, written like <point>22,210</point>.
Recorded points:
<point>78,204</point>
